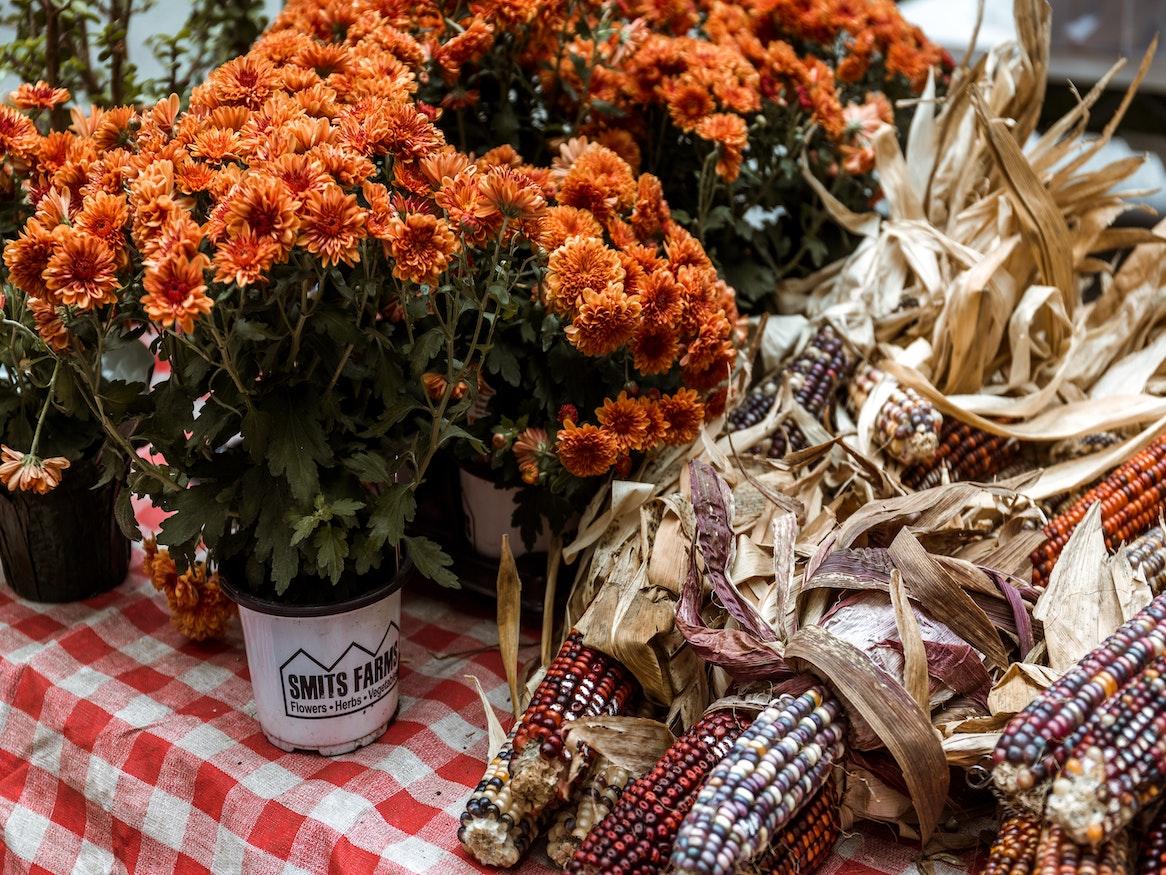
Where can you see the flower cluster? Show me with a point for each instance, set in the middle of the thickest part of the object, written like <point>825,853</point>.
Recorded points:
<point>198,607</point>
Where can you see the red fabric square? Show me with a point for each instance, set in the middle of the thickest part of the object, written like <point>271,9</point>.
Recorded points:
<point>31,689</point>
<point>69,809</point>
<point>462,769</point>
<point>406,813</point>
<point>146,757</point>
<point>276,829</point>
<point>339,772</point>
<point>86,722</point>
<point>147,615</point>
<point>144,679</point>
<point>205,708</point>
<point>38,627</point>
<point>211,786</point>
<point>185,865</point>
<point>126,844</point>
<point>86,646</point>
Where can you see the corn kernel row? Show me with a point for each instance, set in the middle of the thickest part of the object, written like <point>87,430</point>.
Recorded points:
<point>596,798</point>
<point>1057,854</point>
<point>1148,555</point>
<point>964,453</point>
<point>1014,850</point>
<point>907,424</point>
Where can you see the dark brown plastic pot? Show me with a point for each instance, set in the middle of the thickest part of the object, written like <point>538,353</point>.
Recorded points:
<point>63,546</point>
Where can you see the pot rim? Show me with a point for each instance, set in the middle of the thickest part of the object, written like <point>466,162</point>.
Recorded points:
<point>279,609</point>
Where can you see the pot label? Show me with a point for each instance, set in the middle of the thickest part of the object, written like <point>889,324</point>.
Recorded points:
<point>314,689</point>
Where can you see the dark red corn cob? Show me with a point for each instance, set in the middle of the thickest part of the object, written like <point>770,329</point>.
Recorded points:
<point>1132,498</point>
<point>965,453</point>
<point>1117,766</point>
<point>1014,851</point>
<point>1037,741</point>
<point>809,837</point>
<point>636,838</point>
<point>1152,854</point>
<point>1057,854</point>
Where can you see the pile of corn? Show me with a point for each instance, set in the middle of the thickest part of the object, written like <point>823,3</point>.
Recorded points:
<point>1086,760</point>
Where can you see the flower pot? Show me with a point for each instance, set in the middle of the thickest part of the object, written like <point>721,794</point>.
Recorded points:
<point>325,677</point>
<point>65,545</point>
<point>488,511</point>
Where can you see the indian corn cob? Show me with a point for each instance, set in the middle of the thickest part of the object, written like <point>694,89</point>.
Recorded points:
<point>1014,851</point>
<point>1132,497</point>
<point>1036,741</point>
<point>1152,854</point>
<point>1057,854</point>
<point>814,375</point>
<point>778,763</point>
<point>1086,445</point>
<point>807,841</point>
<point>595,799</point>
<point>636,837</point>
<point>579,682</point>
<point>1117,767</point>
<point>965,453</point>
<point>1148,555</point>
<point>496,828</point>
<point>907,424</point>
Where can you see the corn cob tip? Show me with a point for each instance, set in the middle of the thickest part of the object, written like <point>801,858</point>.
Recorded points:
<point>490,842</point>
<point>535,780</point>
<point>1073,801</point>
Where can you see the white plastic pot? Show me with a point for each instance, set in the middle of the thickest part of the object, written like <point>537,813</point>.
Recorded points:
<point>325,677</point>
<point>489,509</point>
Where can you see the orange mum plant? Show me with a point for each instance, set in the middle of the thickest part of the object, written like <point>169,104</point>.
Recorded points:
<point>720,101</point>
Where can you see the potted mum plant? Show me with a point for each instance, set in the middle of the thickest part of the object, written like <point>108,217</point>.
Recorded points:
<point>718,100</point>
<point>625,347</point>
<point>320,276</point>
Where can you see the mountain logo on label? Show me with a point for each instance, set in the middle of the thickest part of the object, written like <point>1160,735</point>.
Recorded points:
<point>314,689</point>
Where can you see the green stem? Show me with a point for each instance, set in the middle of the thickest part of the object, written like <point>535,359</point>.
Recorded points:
<point>44,410</point>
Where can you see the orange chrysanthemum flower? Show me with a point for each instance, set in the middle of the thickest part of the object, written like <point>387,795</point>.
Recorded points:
<point>684,414</point>
<point>657,429</point>
<point>467,47</point>
<point>661,298</point>
<point>246,259</point>
<point>599,181</point>
<point>730,134</point>
<point>104,215</point>
<point>18,135</point>
<point>580,264</point>
<point>216,145</point>
<point>82,271</point>
<point>421,246</point>
<point>444,164</point>
<point>262,205</point>
<point>627,420</point>
<point>560,223</point>
<point>604,322</point>
<point>176,292</point>
<point>586,450</point>
<point>24,472</point>
<point>42,95</point>
<point>200,610</point>
<point>654,349</point>
<point>27,257</point>
<point>651,215</point>
<point>332,226</point>
<point>49,324</point>
<point>468,208</point>
<point>688,102</point>
<point>512,195</point>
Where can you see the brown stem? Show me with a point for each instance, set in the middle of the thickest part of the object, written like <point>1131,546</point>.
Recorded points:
<point>58,118</point>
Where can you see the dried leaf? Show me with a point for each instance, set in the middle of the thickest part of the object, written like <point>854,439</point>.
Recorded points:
<point>509,618</point>
<point>554,560</point>
<point>887,708</point>
<point>778,610</point>
<point>1018,686</point>
<point>915,679</point>
<point>632,743</point>
<point>494,731</point>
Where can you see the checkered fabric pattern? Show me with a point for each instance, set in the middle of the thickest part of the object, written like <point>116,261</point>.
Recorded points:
<point>125,748</point>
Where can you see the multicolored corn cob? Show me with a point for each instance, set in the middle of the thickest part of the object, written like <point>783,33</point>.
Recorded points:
<point>785,757</point>
<point>1087,445</point>
<point>1057,854</point>
<point>579,682</point>
<point>1037,741</point>
<point>965,453</point>
<point>814,374</point>
<point>594,800</point>
<point>496,828</point>
<point>807,841</point>
<point>1117,767</point>
<point>1148,555</point>
<point>907,424</point>
<point>636,837</point>
<point>1014,851</point>
<point>1152,853</point>
<point>1132,497</point>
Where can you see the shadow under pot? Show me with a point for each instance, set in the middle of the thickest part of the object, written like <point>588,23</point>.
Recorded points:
<point>65,545</point>
<point>325,676</point>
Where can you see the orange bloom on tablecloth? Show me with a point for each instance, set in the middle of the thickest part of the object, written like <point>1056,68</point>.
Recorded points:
<point>730,134</point>
<point>42,95</point>
<point>176,292</point>
<point>82,271</point>
<point>199,608</point>
<point>561,223</point>
<point>580,264</point>
<point>27,257</point>
<point>599,181</point>
<point>605,321</point>
<point>104,215</point>
<point>626,420</point>
<point>245,259</point>
<point>22,472</point>
<point>263,205</point>
<point>332,226</point>
<point>586,450</point>
<point>421,246</point>
<point>684,414</point>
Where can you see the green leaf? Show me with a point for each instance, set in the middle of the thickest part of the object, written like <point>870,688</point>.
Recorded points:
<point>369,467</point>
<point>297,445</point>
<point>304,527</point>
<point>502,360</point>
<point>425,348</point>
<point>345,508</point>
<point>390,512</point>
<point>123,512</point>
<point>197,513</point>
<point>431,561</point>
<point>331,551</point>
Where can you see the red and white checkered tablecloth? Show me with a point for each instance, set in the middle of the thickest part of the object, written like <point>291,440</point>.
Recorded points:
<point>126,748</point>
